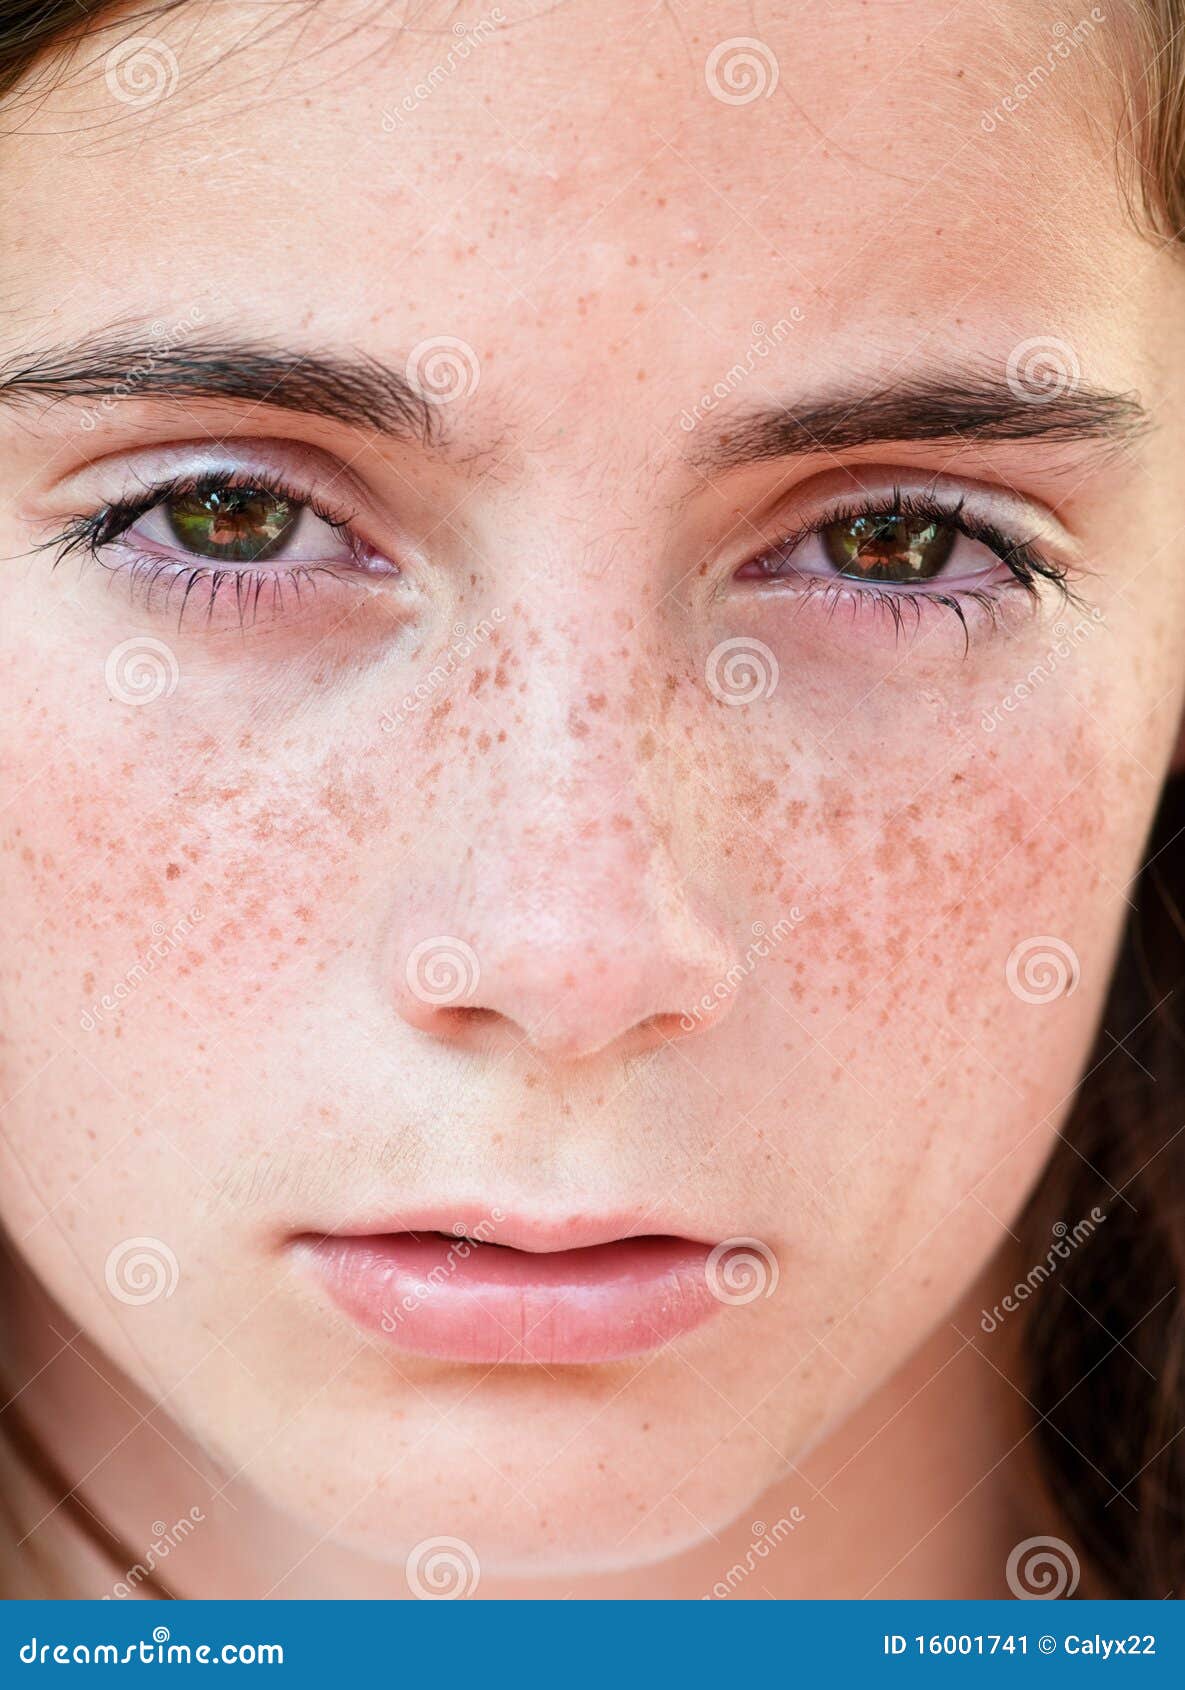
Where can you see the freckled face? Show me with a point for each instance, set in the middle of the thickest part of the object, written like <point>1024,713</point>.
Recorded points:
<point>735,877</point>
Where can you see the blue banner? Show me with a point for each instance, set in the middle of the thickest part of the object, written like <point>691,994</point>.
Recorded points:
<point>635,1643</point>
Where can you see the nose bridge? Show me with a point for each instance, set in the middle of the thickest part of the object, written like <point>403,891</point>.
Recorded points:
<point>576,901</point>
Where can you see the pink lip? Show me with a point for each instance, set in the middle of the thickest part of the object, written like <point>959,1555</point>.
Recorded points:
<point>474,1300</point>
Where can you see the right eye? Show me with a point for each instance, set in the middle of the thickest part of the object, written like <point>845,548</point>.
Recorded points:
<point>237,525</point>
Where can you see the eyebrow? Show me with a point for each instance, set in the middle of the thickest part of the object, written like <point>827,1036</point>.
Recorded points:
<point>973,406</point>
<point>360,391</point>
<point>344,387</point>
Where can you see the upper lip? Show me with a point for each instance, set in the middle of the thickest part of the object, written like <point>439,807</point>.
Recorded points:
<point>495,1223</point>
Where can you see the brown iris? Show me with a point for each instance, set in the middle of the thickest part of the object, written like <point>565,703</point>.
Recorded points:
<point>889,547</point>
<point>234,524</point>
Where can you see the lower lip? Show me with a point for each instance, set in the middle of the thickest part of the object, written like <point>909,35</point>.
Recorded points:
<point>463,1301</point>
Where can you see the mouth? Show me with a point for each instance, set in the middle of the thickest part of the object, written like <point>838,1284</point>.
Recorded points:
<point>462,1296</point>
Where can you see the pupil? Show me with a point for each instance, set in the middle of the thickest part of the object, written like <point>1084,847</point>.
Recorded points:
<point>234,525</point>
<point>888,547</point>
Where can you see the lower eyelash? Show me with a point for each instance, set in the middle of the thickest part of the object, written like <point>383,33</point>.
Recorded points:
<point>898,604</point>
<point>146,572</point>
<point>88,536</point>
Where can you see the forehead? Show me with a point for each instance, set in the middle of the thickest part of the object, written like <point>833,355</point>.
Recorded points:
<point>647,185</point>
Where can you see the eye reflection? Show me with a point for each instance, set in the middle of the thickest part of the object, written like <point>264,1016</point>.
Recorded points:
<point>888,546</point>
<point>232,525</point>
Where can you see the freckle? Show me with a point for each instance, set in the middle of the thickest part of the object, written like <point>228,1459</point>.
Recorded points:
<point>621,824</point>
<point>172,871</point>
<point>596,701</point>
<point>479,679</point>
<point>647,746</point>
<point>577,726</point>
<point>88,983</point>
<point>483,743</point>
<point>502,737</point>
<point>501,678</point>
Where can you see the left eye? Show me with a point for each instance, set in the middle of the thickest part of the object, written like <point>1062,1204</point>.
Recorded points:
<point>240,525</point>
<point>893,547</point>
<point>888,547</point>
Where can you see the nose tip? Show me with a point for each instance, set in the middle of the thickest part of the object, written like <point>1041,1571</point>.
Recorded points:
<point>564,1008</point>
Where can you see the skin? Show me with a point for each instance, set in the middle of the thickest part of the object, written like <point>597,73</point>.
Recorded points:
<point>871,1100</point>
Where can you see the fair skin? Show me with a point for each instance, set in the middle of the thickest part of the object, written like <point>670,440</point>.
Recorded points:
<point>871,1098</point>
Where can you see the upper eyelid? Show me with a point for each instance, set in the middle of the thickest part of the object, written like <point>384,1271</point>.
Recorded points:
<point>123,477</point>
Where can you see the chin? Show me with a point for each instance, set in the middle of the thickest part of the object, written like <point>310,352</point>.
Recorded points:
<point>555,1489</point>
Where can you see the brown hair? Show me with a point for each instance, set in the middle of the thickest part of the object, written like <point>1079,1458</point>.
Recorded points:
<point>1105,1343</point>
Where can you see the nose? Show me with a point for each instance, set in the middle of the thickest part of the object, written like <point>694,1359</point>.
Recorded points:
<point>570,982</point>
<point>573,919</point>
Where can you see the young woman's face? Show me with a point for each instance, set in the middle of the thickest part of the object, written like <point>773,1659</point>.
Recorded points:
<point>623,802</point>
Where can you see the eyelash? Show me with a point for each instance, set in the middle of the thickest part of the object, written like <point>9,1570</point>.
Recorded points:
<point>88,535</point>
<point>1027,566</point>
